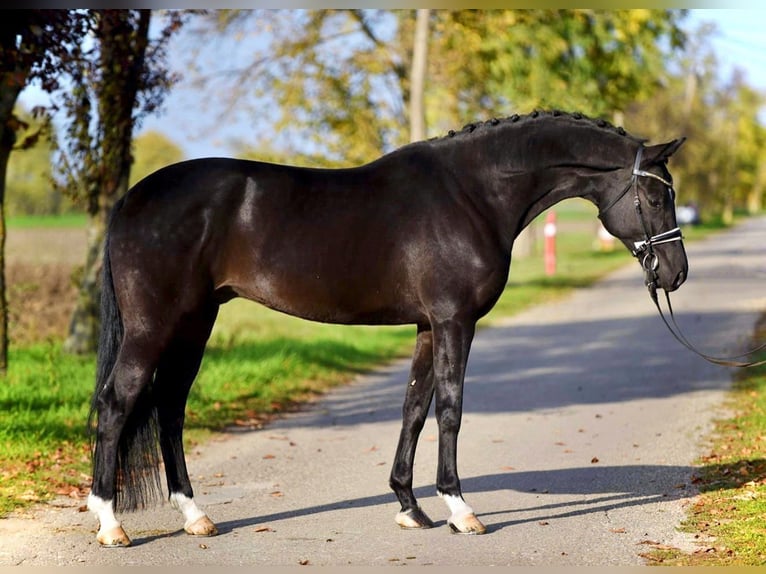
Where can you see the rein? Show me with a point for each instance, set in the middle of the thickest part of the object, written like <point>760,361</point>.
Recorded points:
<point>644,252</point>
<point>679,336</point>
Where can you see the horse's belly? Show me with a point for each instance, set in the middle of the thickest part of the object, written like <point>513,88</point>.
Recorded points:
<point>352,300</point>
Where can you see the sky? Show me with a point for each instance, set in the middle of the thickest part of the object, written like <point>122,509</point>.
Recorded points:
<point>741,41</point>
<point>187,121</point>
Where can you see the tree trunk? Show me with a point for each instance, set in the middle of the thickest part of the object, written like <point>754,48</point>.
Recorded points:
<point>11,84</point>
<point>755,195</point>
<point>123,49</point>
<point>7,139</point>
<point>418,76</point>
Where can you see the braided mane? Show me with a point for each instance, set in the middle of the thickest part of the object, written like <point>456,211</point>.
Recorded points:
<point>516,118</point>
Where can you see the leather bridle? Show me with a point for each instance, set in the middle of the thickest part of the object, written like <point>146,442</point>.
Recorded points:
<point>644,251</point>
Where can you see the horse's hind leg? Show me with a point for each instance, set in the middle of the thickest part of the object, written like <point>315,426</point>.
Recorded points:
<point>420,390</point>
<point>124,436</point>
<point>177,369</point>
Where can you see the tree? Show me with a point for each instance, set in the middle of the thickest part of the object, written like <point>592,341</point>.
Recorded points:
<point>342,79</point>
<point>33,46</point>
<point>28,180</point>
<point>126,77</point>
<point>721,167</point>
<point>151,151</point>
<point>594,61</point>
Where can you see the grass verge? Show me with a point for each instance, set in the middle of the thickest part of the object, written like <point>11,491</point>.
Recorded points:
<point>728,517</point>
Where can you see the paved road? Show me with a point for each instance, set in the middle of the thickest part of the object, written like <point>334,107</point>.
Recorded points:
<point>582,421</point>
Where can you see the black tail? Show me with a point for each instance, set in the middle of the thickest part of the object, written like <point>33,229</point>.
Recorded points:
<point>138,458</point>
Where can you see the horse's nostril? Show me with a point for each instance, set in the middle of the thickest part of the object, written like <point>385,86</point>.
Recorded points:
<point>680,278</point>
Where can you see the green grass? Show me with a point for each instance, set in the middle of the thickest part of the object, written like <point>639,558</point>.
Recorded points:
<point>44,403</point>
<point>69,220</point>
<point>258,363</point>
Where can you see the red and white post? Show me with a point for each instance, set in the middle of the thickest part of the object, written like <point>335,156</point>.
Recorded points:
<point>549,232</point>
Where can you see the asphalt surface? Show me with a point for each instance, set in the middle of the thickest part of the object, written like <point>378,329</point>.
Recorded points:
<point>582,421</point>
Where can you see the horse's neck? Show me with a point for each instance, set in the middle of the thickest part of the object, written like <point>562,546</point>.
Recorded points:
<point>518,193</point>
<point>551,192</point>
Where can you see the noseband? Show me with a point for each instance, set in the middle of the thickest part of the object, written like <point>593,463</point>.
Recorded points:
<point>644,251</point>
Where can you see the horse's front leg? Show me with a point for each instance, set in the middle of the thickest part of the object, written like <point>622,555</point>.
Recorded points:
<point>452,343</point>
<point>420,390</point>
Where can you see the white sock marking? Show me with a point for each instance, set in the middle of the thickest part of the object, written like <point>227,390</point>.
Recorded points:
<point>188,508</point>
<point>104,512</point>
<point>457,506</point>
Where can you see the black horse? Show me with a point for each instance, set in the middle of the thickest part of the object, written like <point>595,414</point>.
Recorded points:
<point>422,235</point>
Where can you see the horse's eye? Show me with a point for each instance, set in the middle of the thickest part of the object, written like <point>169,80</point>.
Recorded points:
<point>654,201</point>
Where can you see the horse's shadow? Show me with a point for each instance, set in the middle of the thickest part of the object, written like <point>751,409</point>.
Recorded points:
<point>607,488</point>
<point>610,487</point>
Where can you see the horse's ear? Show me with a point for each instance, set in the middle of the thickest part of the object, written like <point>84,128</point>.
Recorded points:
<point>661,152</point>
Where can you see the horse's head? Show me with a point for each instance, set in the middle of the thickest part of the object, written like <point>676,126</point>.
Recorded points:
<point>641,213</point>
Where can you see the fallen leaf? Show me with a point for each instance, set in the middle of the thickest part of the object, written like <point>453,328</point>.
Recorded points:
<point>594,460</point>
<point>618,530</point>
<point>264,529</point>
<point>277,494</point>
<point>507,468</point>
<point>268,456</point>
<point>203,546</point>
<point>543,523</point>
<point>303,562</point>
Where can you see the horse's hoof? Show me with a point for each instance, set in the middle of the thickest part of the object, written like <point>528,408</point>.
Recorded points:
<point>466,524</point>
<point>203,526</point>
<point>114,538</point>
<point>413,518</point>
